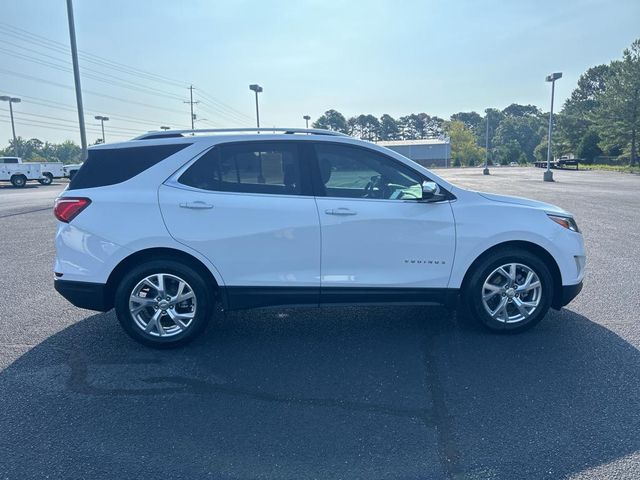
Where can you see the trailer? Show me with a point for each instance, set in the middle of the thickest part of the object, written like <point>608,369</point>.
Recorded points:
<point>13,170</point>
<point>561,164</point>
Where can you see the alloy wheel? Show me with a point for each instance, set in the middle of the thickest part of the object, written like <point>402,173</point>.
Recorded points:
<point>511,293</point>
<point>163,305</point>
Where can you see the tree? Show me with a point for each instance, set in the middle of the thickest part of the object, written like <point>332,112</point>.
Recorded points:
<point>332,120</point>
<point>471,120</point>
<point>528,131</point>
<point>68,152</point>
<point>516,110</point>
<point>388,128</point>
<point>464,147</point>
<point>368,126</point>
<point>495,117</point>
<point>576,117</point>
<point>508,152</point>
<point>618,114</point>
<point>588,149</point>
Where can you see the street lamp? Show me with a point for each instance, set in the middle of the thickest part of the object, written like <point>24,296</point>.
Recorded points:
<point>548,174</point>
<point>102,120</point>
<point>163,127</point>
<point>12,100</point>
<point>486,143</point>
<point>306,119</point>
<point>256,88</point>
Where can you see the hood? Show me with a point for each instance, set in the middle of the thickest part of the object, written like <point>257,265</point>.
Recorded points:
<point>547,207</point>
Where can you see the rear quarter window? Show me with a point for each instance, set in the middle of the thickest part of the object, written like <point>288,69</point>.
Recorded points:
<point>109,166</point>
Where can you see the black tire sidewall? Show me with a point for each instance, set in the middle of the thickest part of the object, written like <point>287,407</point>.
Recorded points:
<point>19,181</point>
<point>48,180</point>
<point>204,297</point>
<point>473,289</point>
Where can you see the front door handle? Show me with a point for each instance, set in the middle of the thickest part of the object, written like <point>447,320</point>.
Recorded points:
<point>340,211</point>
<point>197,205</point>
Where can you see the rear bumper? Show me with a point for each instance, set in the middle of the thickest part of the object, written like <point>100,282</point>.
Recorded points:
<point>569,292</point>
<point>92,296</point>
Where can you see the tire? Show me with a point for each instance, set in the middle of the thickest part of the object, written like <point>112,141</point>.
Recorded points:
<point>19,181</point>
<point>47,179</point>
<point>491,289</point>
<point>170,333</point>
<point>72,174</point>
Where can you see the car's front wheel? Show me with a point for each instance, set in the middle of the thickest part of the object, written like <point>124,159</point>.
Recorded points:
<point>509,290</point>
<point>163,303</point>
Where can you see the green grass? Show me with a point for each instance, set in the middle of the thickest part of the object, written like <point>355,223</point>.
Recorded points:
<point>613,168</point>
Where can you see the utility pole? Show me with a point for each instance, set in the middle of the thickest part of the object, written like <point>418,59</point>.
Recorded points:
<point>191,103</point>
<point>306,119</point>
<point>76,78</point>
<point>12,100</point>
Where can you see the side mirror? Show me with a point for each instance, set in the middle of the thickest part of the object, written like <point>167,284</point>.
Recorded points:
<point>429,190</point>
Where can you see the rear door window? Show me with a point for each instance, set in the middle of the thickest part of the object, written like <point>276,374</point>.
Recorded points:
<point>252,167</point>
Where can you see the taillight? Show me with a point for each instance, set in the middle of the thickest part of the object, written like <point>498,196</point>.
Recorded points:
<point>68,208</point>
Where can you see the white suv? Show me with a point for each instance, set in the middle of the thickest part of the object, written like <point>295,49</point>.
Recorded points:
<point>163,226</point>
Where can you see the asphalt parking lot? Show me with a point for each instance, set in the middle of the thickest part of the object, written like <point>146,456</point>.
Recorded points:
<point>372,393</point>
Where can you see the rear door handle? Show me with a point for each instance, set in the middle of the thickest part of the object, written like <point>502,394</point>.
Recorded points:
<point>340,211</point>
<point>197,205</point>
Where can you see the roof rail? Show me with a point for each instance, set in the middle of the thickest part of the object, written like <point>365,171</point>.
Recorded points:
<point>181,133</point>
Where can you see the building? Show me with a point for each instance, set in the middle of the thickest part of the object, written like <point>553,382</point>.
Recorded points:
<point>429,152</point>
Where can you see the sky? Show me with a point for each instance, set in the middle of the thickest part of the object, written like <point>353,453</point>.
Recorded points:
<point>138,58</point>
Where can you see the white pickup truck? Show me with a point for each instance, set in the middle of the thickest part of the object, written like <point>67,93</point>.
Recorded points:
<point>71,170</point>
<point>13,170</point>
<point>16,171</point>
<point>51,170</point>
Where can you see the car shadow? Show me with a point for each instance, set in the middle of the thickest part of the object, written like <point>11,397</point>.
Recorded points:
<point>333,393</point>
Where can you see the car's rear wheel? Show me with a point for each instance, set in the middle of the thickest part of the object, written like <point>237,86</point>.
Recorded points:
<point>163,303</point>
<point>509,291</point>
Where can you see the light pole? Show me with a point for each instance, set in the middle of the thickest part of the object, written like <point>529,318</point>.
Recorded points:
<point>164,127</point>
<point>548,174</point>
<point>306,119</point>
<point>102,120</point>
<point>486,144</point>
<point>11,101</point>
<point>76,79</point>
<point>256,88</point>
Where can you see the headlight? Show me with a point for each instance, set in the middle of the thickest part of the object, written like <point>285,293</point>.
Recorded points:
<point>566,222</point>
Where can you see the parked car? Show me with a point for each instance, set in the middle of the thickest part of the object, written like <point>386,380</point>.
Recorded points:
<point>71,170</point>
<point>166,225</point>
<point>13,170</point>
<point>513,164</point>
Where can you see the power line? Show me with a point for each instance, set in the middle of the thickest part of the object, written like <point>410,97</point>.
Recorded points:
<point>63,48</point>
<point>63,106</point>
<point>98,94</point>
<point>118,83</point>
<point>61,121</point>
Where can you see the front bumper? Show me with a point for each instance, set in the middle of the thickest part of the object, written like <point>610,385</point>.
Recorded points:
<point>92,296</point>
<point>569,292</point>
